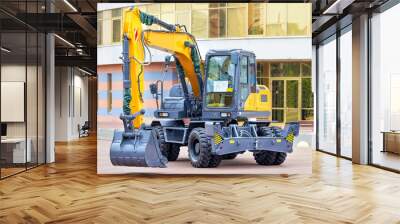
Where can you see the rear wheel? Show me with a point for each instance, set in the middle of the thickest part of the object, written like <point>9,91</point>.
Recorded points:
<point>280,158</point>
<point>170,151</point>
<point>199,146</point>
<point>269,157</point>
<point>164,146</point>
<point>173,152</point>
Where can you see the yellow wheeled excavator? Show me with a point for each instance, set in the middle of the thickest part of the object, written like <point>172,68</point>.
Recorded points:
<point>218,111</point>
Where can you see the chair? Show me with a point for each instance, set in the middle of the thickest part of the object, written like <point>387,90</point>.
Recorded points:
<point>84,130</point>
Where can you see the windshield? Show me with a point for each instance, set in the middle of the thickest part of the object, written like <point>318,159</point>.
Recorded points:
<point>220,79</point>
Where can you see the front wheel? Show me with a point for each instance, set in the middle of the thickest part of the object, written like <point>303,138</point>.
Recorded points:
<point>267,158</point>
<point>199,146</point>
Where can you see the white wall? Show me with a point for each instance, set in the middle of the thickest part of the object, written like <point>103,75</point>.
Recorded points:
<point>71,93</point>
<point>290,48</point>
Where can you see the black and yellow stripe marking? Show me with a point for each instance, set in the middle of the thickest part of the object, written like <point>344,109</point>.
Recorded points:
<point>290,137</point>
<point>218,138</point>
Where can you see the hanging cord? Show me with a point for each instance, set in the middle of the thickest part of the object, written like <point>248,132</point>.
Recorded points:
<point>142,63</point>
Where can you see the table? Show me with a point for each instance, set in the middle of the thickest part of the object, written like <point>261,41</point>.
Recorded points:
<point>391,141</point>
<point>15,148</point>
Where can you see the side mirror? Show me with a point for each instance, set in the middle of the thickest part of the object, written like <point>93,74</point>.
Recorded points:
<point>153,88</point>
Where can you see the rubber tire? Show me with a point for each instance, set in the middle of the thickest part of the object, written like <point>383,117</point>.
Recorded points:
<point>280,158</point>
<point>267,158</point>
<point>204,158</point>
<point>214,161</point>
<point>173,152</point>
<point>229,156</point>
<point>164,146</point>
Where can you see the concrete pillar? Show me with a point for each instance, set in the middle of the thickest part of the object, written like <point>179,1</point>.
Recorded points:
<point>50,92</point>
<point>50,84</point>
<point>360,90</point>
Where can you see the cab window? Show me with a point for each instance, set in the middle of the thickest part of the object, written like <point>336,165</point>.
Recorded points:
<point>220,81</point>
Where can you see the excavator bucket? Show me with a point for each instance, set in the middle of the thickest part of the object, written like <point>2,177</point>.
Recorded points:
<point>140,149</point>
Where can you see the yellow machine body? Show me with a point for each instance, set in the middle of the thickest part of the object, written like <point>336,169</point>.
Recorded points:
<point>260,101</point>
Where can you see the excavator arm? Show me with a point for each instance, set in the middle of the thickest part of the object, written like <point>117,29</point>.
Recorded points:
<point>173,40</point>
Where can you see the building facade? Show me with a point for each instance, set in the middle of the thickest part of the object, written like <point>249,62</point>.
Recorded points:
<point>278,33</point>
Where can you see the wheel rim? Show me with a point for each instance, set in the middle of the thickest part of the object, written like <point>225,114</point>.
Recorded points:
<point>195,151</point>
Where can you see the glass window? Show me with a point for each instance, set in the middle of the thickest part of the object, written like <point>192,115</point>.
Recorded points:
<point>220,81</point>
<point>256,18</point>
<point>167,7</point>
<point>262,73</point>
<point>236,24</point>
<point>183,18</point>
<point>217,23</point>
<point>307,99</point>
<point>199,23</point>
<point>107,28</point>
<point>327,97</point>
<point>385,89</point>
<point>278,100</point>
<point>252,75</point>
<point>14,71</point>
<point>286,69</point>
<point>116,24</point>
<point>307,96</point>
<point>182,6</point>
<point>116,13</point>
<point>216,5</point>
<point>346,94</point>
<point>22,90</point>
<point>276,19</point>
<point>32,102</point>
<point>154,10</point>
<point>292,100</point>
<point>277,70</point>
<point>41,98</point>
<point>299,19</point>
<point>168,18</point>
<point>306,93</point>
<point>292,87</point>
<point>199,6</point>
<point>306,69</point>
<point>142,8</point>
<point>292,69</point>
<point>99,28</point>
<point>244,81</point>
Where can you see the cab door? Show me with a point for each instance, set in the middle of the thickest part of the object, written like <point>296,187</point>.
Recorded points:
<point>247,83</point>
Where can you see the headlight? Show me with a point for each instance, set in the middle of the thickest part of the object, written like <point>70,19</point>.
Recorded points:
<point>225,114</point>
<point>163,114</point>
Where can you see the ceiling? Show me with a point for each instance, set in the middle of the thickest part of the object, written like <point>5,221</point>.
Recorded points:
<point>332,15</point>
<point>74,22</point>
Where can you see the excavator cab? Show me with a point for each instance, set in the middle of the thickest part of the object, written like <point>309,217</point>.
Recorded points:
<point>231,89</point>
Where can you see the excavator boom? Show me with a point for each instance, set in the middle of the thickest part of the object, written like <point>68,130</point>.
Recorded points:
<point>173,40</point>
<point>137,145</point>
